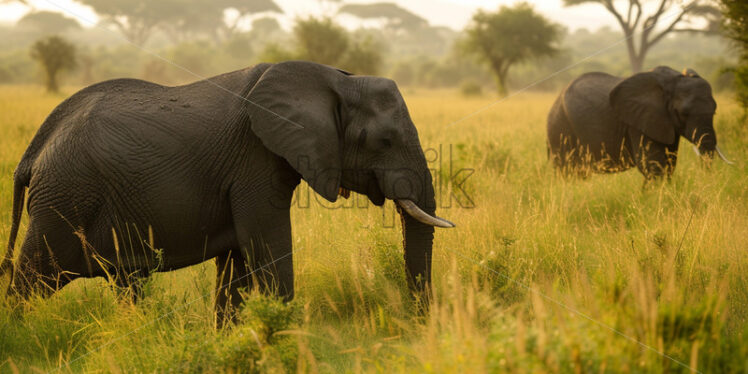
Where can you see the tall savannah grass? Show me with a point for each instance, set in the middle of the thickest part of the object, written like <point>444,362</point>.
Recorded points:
<point>542,274</point>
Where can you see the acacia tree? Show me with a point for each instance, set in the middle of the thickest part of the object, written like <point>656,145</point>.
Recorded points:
<point>135,19</point>
<point>668,16</point>
<point>47,23</point>
<point>54,54</point>
<point>200,17</point>
<point>396,17</point>
<point>510,36</point>
<point>180,19</point>
<point>245,9</point>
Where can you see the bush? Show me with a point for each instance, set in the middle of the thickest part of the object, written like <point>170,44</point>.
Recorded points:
<point>269,315</point>
<point>502,276</point>
<point>256,345</point>
<point>363,57</point>
<point>470,88</point>
<point>403,74</point>
<point>273,52</point>
<point>196,59</point>
<point>321,40</point>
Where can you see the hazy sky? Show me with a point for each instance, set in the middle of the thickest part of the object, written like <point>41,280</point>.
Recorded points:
<point>452,13</point>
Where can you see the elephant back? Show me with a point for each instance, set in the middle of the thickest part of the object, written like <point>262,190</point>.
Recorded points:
<point>587,106</point>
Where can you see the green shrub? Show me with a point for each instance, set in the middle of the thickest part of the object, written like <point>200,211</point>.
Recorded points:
<point>501,274</point>
<point>256,345</point>
<point>470,88</point>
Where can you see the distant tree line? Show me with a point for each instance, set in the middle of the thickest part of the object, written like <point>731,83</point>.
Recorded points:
<point>504,49</point>
<point>323,41</point>
<point>179,19</point>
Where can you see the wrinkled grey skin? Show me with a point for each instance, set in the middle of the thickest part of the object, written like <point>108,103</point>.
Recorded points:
<point>604,123</point>
<point>211,175</point>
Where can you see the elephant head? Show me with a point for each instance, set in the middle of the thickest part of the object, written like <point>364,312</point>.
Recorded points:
<point>345,132</point>
<point>664,104</point>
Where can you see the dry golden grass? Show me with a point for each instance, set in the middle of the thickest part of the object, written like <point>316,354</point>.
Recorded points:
<point>542,274</point>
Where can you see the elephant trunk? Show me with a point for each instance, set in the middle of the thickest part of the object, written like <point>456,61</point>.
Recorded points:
<point>700,132</point>
<point>413,192</point>
<point>418,241</point>
<point>418,221</point>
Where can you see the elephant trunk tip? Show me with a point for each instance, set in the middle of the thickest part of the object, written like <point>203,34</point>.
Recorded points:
<point>717,150</point>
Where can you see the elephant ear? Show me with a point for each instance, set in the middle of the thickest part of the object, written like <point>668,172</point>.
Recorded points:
<point>641,101</point>
<point>294,109</point>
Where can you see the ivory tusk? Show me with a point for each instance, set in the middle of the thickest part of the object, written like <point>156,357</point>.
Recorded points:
<point>722,156</point>
<point>696,149</point>
<point>422,216</point>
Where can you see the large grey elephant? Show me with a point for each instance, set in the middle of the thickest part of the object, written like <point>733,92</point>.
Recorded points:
<point>128,177</point>
<point>603,123</point>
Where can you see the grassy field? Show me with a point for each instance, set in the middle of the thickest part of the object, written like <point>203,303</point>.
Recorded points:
<point>542,274</point>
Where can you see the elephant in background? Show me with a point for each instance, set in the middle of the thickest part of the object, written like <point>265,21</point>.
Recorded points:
<point>128,177</point>
<point>602,123</point>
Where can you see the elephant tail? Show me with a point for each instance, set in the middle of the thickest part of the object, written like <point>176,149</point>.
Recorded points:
<point>20,182</point>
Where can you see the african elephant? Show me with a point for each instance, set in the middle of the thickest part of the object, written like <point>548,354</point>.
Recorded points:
<point>128,177</point>
<point>603,123</point>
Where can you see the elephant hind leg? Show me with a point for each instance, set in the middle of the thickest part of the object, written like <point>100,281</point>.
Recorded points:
<point>564,147</point>
<point>232,275</point>
<point>556,152</point>
<point>37,269</point>
<point>569,158</point>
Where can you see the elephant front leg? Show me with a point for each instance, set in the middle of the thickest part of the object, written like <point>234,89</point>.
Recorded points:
<point>654,160</point>
<point>232,275</point>
<point>272,263</point>
<point>263,231</point>
<point>130,284</point>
